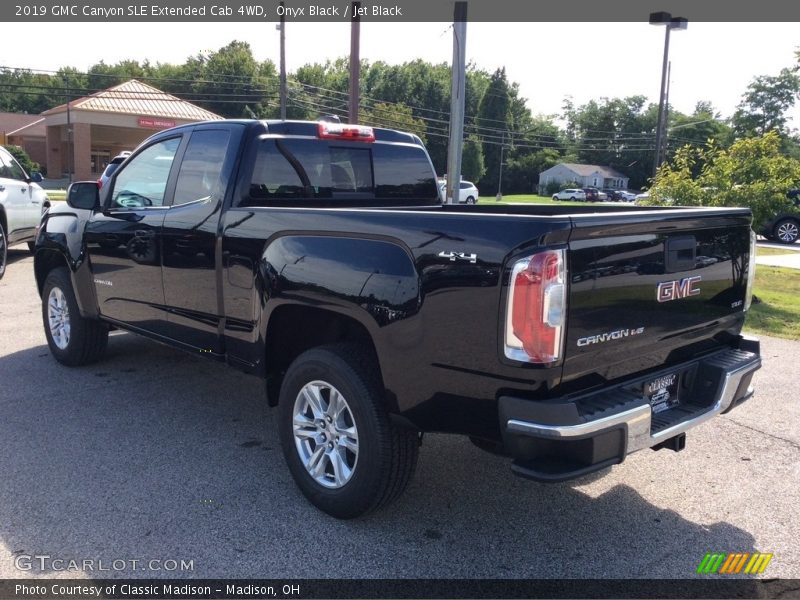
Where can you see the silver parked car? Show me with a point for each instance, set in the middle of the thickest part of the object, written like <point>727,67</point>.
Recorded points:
<point>111,168</point>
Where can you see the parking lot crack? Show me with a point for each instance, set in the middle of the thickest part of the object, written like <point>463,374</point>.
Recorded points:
<point>792,443</point>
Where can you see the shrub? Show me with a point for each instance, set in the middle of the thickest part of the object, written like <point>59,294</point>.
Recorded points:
<point>552,187</point>
<point>23,159</point>
<point>752,172</point>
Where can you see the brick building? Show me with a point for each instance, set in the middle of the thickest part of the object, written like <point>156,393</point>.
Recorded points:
<point>26,131</point>
<point>88,132</point>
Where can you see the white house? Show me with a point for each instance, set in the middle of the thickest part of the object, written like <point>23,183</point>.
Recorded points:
<point>586,175</point>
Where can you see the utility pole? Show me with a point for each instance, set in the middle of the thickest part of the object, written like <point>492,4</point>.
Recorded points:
<point>282,27</point>
<point>355,62</point>
<point>500,175</point>
<point>457,90</point>
<point>70,145</point>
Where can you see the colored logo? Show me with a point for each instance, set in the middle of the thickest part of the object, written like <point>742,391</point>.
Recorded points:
<point>733,563</point>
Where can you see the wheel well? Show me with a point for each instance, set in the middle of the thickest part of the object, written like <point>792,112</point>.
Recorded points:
<point>294,329</point>
<point>3,220</point>
<point>46,261</point>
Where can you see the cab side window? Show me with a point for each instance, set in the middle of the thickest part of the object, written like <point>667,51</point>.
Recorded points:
<point>143,181</point>
<point>199,176</point>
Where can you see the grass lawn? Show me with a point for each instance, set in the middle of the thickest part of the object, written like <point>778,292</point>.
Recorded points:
<point>778,311</point>
<point>525,198</point>
<point>772,252</point>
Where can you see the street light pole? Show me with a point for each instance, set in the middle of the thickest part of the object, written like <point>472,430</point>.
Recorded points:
<point>662,149</point>
<point>660,122</point>
<point>663,18</point>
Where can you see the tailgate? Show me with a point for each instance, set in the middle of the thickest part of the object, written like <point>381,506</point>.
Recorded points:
<point>653,288</point>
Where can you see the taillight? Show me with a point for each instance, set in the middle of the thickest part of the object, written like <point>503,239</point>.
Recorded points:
<point>536,308</point>
<point>340,131</point>
<point>751,271</point>
<point>99,183</point>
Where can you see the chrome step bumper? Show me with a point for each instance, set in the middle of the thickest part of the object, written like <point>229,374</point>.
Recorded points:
<point>573,437</point>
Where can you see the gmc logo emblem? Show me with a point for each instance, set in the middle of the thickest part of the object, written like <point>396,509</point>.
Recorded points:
<point>679,288</point>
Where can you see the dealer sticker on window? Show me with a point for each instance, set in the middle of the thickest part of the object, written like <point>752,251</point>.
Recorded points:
<point>662,393</point>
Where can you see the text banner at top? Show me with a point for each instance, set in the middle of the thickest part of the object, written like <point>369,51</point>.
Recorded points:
<point>231,11</point>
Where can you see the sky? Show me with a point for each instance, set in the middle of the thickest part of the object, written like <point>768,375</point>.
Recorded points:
<point>710,61</point>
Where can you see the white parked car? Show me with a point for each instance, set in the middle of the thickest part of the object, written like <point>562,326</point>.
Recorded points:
<point>626,196</point>
<point>467,193</point>
<point>22,203</point>
<point>570,194</point>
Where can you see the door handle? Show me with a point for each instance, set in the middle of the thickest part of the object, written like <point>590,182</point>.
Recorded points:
<point>36,201</point>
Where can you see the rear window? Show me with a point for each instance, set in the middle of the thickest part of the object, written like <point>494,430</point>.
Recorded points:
<point>289,171</point>
<point>110,168</point>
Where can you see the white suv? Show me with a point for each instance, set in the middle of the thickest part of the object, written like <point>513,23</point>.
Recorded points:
<point>570,194</point>
<point>22,203</point>
<point>467,192</point>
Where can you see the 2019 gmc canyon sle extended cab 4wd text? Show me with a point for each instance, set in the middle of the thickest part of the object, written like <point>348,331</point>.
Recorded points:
<point>319,256</point>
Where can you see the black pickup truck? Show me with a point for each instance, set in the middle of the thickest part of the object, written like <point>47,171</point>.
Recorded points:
<point>319,257</point>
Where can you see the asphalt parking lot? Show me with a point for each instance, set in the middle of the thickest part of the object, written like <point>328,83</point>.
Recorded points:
<point>155,454</point>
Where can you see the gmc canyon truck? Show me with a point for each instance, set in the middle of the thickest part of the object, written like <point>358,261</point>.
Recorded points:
<point>319,257</point>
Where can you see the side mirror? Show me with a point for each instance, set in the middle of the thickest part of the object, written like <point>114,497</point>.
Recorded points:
<point>84,195</point>
<point>36,177</point>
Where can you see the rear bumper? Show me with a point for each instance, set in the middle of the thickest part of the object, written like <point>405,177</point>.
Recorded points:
<point>567,438</point>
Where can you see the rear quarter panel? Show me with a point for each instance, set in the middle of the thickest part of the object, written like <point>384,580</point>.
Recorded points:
<point>410,279</point>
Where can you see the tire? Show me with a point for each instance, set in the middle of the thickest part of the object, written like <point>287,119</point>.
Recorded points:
<point>3,250</point>
<point>555,198</point>
<point>572,199</point>
<point>375,457</point>
<point>470,200</point>
<point>73,339</point>
<point>786,231</point>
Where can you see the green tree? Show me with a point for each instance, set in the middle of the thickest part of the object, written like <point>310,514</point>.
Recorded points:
<point>232,81</point>
<point>764,105</point>
<point>102,76</point>
<point>753,172</point>
<point>702,127</point>
<point>472,166</point>
<point>615,132</point>
<point>494,112</point>
<point>521,174</point>
<point>23,159</point>
<point>394,116</point>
